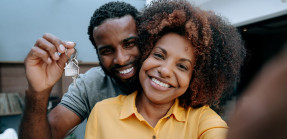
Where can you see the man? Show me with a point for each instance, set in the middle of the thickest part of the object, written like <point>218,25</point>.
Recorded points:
<point>113,33</point>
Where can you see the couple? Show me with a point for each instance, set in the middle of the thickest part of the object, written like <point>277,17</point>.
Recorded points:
<point>189,57</point>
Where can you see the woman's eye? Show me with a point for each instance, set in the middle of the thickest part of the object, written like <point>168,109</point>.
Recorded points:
<point>183,67</point>
<point>158,56</point>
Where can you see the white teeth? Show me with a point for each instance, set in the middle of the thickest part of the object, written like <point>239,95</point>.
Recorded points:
<point>160,83</point>
<point>126,71</point>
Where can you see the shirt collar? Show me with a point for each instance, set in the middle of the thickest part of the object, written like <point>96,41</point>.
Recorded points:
<point>129,108</point>
<point>178,111</point>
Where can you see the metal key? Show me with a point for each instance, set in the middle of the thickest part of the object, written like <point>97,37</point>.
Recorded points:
<point>72,67</point>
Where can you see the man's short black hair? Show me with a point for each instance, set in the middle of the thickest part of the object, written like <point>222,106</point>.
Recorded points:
<point>110,10</point>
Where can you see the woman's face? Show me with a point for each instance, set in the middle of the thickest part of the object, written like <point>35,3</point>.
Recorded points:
<point>166,73</point>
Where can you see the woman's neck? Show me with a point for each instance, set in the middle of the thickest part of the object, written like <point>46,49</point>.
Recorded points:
<point>150,111</point>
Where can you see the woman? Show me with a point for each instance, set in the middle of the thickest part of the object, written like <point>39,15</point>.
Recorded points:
<point>189,57</point>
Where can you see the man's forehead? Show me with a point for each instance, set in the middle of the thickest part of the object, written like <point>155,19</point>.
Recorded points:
<point>115,31</point>
<point>117,21</point>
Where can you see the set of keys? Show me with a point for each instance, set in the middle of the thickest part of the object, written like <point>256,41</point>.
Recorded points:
<point>72,67</point>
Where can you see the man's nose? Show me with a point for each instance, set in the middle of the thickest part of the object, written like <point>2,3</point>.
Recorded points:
<point>121,57</point>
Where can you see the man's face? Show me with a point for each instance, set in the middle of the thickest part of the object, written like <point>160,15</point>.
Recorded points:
<point>118,52</point>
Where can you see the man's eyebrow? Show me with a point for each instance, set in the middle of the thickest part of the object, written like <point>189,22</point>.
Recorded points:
<point>130,38</point>
<point>104,47</point>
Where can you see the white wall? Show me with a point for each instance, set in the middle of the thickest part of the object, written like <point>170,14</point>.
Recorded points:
<point>22,22</point>
<point>243,12</point>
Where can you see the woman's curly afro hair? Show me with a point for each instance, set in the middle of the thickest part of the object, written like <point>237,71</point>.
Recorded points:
<point>219,49</point>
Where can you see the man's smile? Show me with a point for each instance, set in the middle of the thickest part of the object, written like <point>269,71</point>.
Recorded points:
<point>126,71</point>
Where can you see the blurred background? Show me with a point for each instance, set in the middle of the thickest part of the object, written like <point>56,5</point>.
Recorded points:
<point>262,23</point>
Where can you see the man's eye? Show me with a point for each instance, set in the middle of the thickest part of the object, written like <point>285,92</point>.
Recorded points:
<point>130,44</point>
<point>105,51</point>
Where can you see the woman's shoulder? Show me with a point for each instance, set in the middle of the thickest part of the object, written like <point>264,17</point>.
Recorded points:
<point>118,100</point>
<point>200,110</point>
<point>110,106</point>
<point>205,113</point>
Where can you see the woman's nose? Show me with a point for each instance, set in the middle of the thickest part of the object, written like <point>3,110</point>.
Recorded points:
<point>165,70</point>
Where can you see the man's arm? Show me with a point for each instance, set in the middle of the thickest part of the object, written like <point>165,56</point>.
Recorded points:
<point>62,120</point>
<point>34,123</point>
<point>37,125</point>
<point>43,67</point>
<point>261,111</point>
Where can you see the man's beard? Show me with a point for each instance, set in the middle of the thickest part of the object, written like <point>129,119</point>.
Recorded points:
<point>131,84</point>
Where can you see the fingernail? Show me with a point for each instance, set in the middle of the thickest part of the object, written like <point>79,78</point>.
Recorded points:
<point>49,60</point>
<point>70,43</point>
<point>62,47</point>
<point>56,55</point>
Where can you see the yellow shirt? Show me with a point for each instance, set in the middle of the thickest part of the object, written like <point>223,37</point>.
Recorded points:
<point>118,118</point>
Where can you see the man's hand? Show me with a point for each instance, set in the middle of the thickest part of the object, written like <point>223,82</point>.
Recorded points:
<point>44,66</point>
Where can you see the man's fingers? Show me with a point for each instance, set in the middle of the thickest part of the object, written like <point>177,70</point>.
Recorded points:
<point>47,46</point>
<point>69,44</point>
<point>54,45</point>
<point>55,41</point>
<point>37,53</point>
<point>70,52</point>
<point>64,58</point>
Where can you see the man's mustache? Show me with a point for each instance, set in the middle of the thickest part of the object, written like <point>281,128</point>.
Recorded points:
<point>117,66</point>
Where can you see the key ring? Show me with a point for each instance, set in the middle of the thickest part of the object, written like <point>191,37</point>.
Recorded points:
<point>72,67</point>
<point>73,56</point>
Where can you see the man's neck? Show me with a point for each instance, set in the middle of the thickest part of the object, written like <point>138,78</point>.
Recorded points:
<point>127,87</point>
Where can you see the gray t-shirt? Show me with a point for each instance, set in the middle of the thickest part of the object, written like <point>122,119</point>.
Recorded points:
<point>92,87</point>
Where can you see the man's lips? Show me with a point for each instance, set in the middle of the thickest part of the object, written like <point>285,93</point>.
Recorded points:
<point>123,68</point>
<point>126,71</point>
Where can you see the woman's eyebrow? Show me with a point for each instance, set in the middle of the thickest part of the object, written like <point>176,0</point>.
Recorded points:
<point>165,52</point>
<point>162,49</point>
<point>184,59</point>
